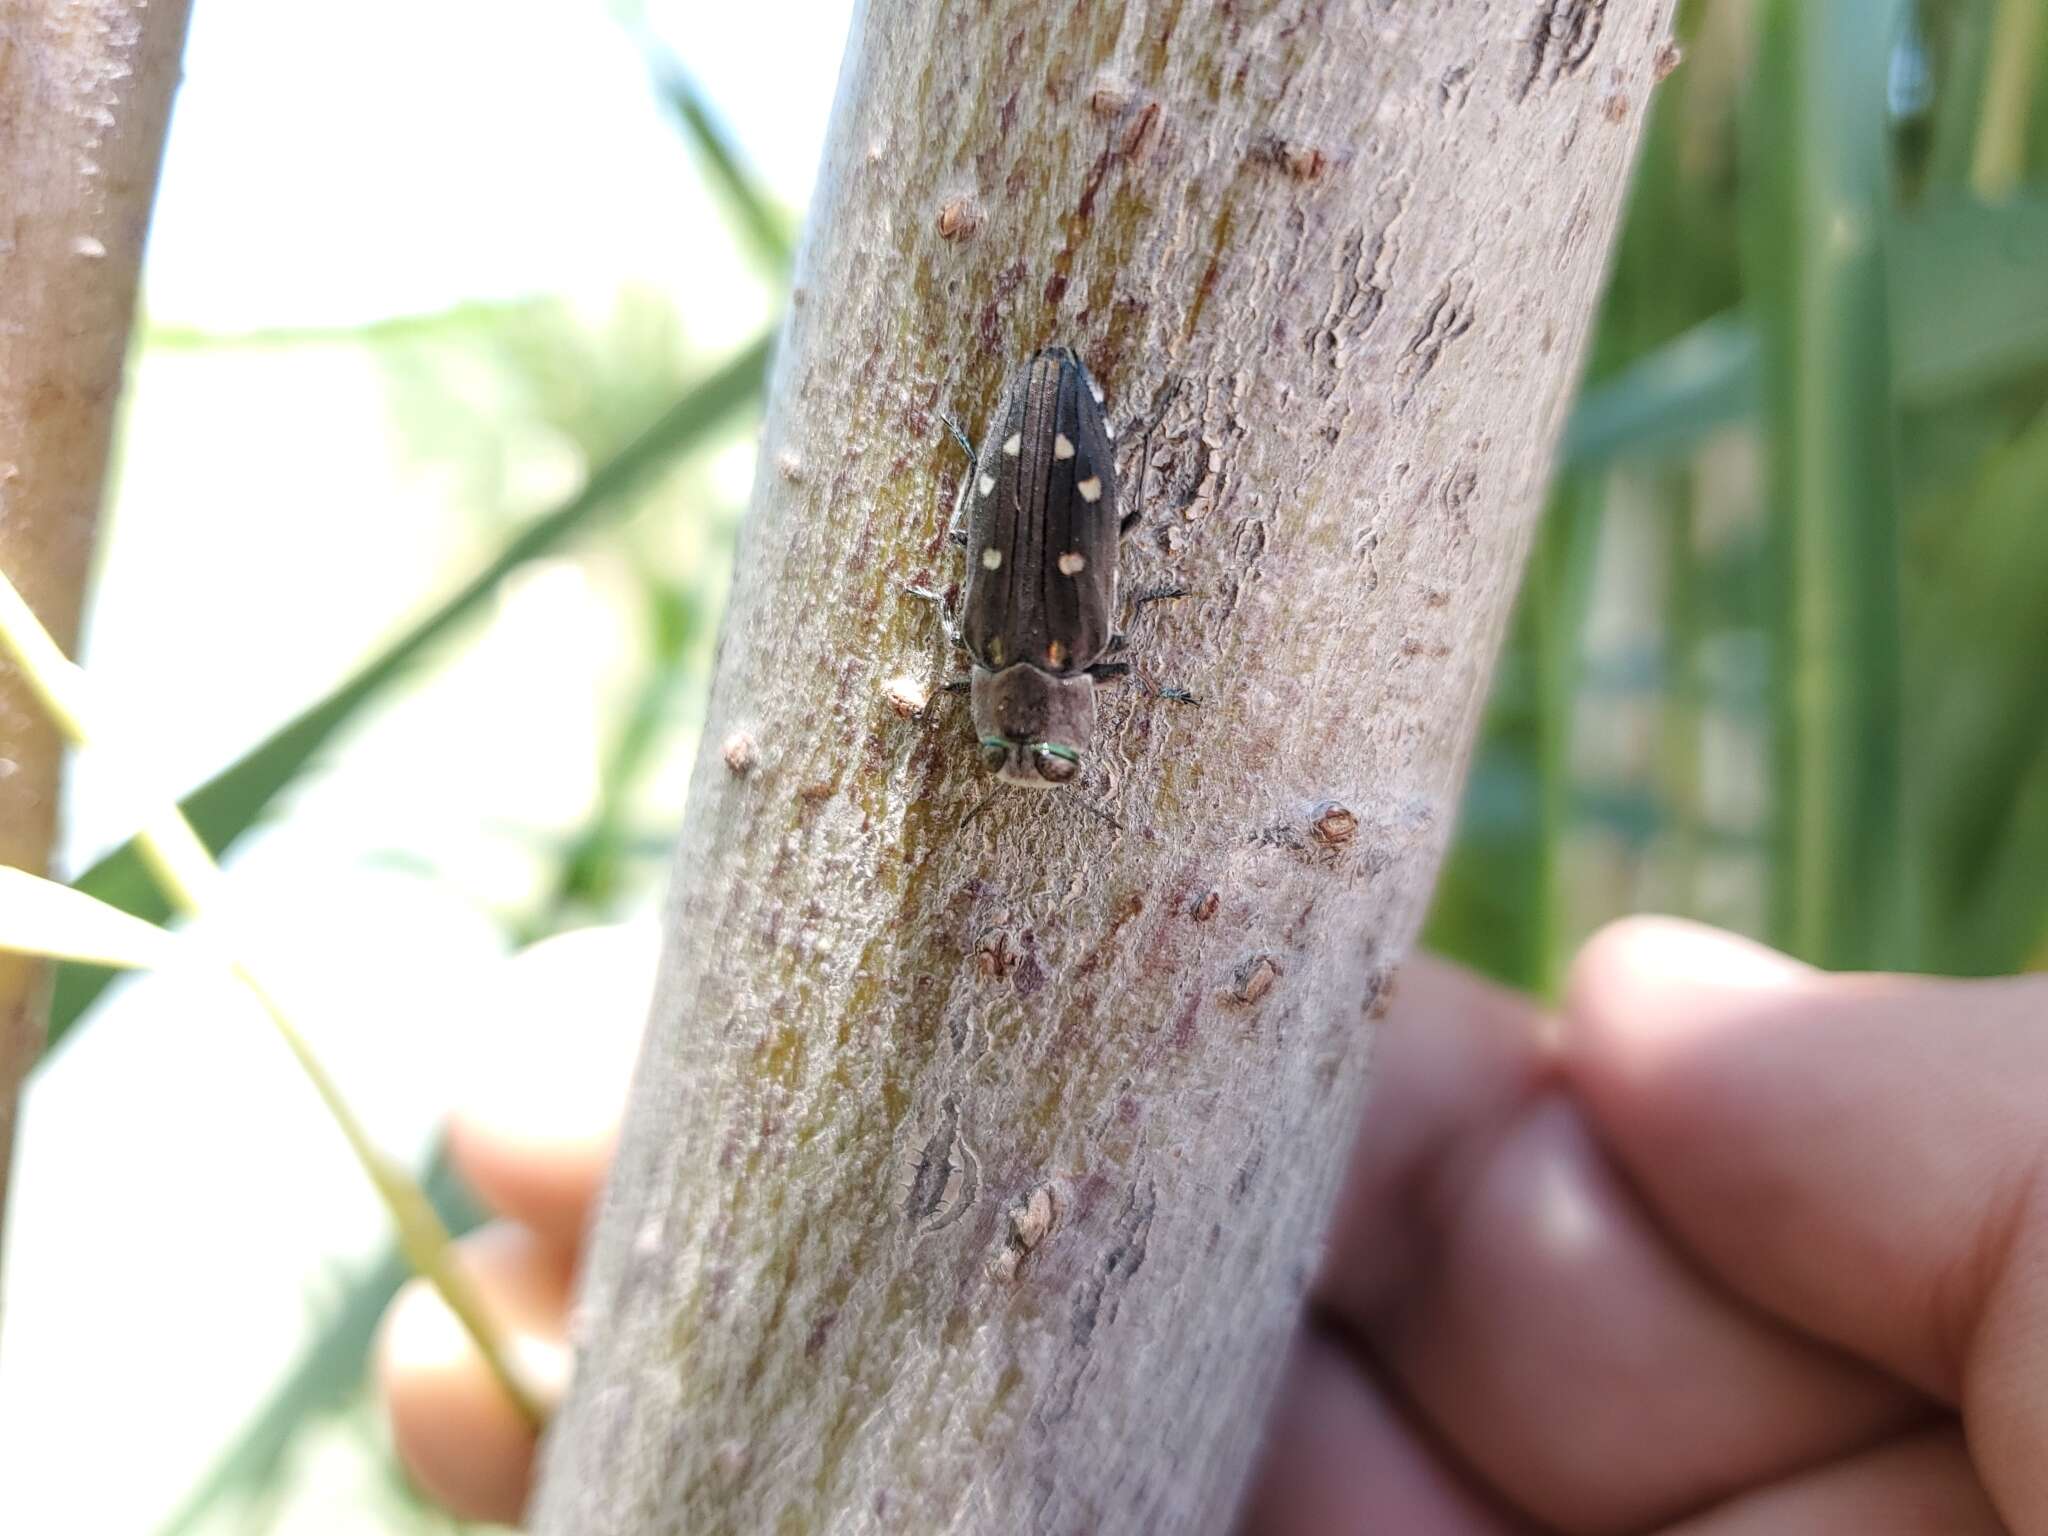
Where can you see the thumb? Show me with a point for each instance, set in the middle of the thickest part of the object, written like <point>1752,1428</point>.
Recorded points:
<point>1860,1155</point>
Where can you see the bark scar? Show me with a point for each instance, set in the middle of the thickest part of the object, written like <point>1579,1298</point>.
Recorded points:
<point>947,1176</point>
<point>1449,317</point>
<point>1561,41</point>
<point>1363,277</point>
<point>1096,1301</point>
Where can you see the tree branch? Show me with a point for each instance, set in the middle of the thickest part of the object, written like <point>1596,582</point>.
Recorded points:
<point>973,1175</point>
<point>85,94</point>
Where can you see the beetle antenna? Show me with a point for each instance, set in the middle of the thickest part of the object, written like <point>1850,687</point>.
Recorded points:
<point>959,436</point>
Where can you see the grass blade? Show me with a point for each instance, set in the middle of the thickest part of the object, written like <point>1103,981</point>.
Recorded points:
<point>2000,157</point>
<point>1960,36</point>
<point>49,918</point>
<point>1815,217</point>
<point>752,212</point>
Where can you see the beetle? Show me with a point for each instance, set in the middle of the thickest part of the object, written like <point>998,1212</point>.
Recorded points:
<point>1038,517</point>
<point>1042,532</point>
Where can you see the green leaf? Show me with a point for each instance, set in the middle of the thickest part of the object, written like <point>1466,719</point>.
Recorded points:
<point>1980,706</point>
<point>228,804</point>
<point>46,917</point>
<point>1969,285</point>
<point>1668,401</point>
<point>1969,309</point>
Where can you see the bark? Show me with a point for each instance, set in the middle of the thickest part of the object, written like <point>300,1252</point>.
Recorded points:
<point>85,94</point>
<point>973,1175</point>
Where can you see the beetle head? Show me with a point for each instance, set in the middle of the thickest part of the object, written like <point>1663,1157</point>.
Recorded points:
<point>1034,726</point>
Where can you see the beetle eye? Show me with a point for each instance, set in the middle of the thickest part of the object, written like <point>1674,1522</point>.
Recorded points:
<point>1056,767</point>
<point>994,754</point>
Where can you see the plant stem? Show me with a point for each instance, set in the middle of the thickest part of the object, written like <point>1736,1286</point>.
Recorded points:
<point>1816,215</point>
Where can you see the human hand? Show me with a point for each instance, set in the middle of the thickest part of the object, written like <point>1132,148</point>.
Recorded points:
<point>1727,1247</point>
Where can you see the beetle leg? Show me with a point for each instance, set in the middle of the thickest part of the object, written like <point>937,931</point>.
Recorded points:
<point>1155,595</point>
<point>1161,404</point>
<point>1104,670</point>
<point>957,533</point>
<point>938,602</point>
<point>959,436</point>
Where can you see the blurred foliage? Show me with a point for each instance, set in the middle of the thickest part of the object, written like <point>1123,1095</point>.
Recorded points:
<point>232,801</point>
<point>1778,658</point>
<point>329,1377</point>
<point>1778,661</point>
<point>581,382</point>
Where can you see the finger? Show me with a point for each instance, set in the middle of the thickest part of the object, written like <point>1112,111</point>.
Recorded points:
<point>1511,1287</point>
<point>1340,1458</point>
<point>458,1434</point>
<point>535,1130</point>
<point>1861,1155</point>
<point>1920,1485</point>
<point>1454,1059</point>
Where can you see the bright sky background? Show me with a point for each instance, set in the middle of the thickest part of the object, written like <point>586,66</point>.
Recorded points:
<point>179,1201</point>
<point>332,165</point>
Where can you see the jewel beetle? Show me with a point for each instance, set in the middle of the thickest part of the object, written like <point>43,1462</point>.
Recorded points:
<point>1042,531</point>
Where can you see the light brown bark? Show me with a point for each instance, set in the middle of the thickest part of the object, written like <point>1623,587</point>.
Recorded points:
<point>973,1175</point>
<point>85,93</point>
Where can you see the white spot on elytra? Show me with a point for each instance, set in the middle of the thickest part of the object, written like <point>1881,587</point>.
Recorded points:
<point>1090,489</point>
<point>1062,446</point>
<point>1095,389</point>
<point>991,559</point>
<point>987,483</point>
<point>1014,444</point>
<point>1109,430</point>
<point>86,245</point>
<point>1073,563</point>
